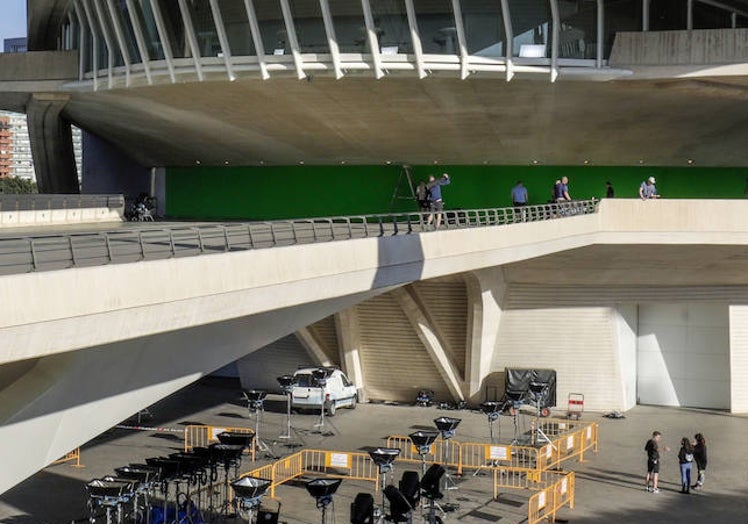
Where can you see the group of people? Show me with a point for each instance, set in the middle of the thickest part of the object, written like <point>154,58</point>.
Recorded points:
<point>691,452</point>
<point>429,196</point>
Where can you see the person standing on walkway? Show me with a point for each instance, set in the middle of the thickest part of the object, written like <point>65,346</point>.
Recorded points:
<point>648,190</point>
<point>652,448</point>
<point>699,455</point>
<point>609,191</point>
<point>435,197</point>
<point>422,196</point>
<point>561,191</point>
<point>519,199</point>
<point>685,459</point>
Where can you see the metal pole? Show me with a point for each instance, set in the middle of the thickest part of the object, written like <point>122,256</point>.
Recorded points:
<point>689,15</point>
<point>600,33</point>
<point>645,15</point>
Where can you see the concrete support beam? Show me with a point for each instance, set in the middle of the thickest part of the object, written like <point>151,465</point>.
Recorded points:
<point>434,344</point>
<point>485,290</point>
<point>52,144</point>
<point>313,347</point>
<point>349,342</point>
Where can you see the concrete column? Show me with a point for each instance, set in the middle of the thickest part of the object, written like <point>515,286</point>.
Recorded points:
<point>349,342</point>
<point>738,358</point>
<point>486,289</point>
<point>313,347</point>
<point>52,144</point>
<point>435,345</point>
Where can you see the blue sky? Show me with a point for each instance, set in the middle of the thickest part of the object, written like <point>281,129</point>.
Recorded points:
<point>12,19</point>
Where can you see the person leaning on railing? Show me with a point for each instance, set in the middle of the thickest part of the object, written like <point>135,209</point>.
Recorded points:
<point>648,190</point>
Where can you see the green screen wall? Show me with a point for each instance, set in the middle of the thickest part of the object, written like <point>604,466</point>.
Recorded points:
<point>263,193</point>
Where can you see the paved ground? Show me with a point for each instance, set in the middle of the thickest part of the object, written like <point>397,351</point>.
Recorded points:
<point>609,488</point>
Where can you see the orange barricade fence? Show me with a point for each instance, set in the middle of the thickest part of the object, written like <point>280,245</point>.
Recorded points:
<point>572,440</point>
<point>545,503</point>
<point>202,436</point>
<point>73,456</point>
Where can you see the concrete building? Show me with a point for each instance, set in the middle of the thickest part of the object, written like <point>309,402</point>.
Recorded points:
<point>15,45</point>
<point>270,109</point>
<point>6,146</point>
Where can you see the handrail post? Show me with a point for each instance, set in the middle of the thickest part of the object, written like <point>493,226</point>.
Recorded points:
<point>33,254</point>
<point>350,227</point>
<point>142,245</point>
<point>227,243</point>
<point>272,234</point>
<point>249,234</point>
<point>171,243</point>
<point>381,227</point>
<point>293,232</point>
<point>200,244</point>
<point>108,247</point>
<point>394,225</point>
<point>72,251</point>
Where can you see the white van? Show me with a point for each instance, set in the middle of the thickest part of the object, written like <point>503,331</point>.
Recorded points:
<point>338,392</point>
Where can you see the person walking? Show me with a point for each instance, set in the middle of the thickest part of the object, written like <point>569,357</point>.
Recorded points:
<point>685,459</point>
<point>648,190</point>
<point>435,197</point>
<point>561,190</point>
<point>519,199</point>
<point>652,447</point>
<point>699,455</point>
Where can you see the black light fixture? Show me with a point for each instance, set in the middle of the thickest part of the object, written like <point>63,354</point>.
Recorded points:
<point>447,426</point>
<point>362,509</point>
<point>323,490</point>
<point>384,459</point>
<point>400,508</point>
<point>249,491</point>
<point>287,383</point>
<point>235,438</point>
<point>319,377</point>
<point>492,411</point>
<point>255,399</point>
<point>430,489</point>
<point>422,440</point>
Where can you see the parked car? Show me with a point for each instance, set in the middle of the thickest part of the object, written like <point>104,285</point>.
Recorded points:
<point>338,391</point>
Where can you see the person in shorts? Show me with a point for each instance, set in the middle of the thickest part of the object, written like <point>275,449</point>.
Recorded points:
<point>435,197</point>
<point>652,448</point>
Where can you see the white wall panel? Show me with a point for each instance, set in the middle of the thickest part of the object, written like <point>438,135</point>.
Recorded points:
<point>683,355</point>
<point>577,342</point>
<point>260,369</point>
<point>739,359</point>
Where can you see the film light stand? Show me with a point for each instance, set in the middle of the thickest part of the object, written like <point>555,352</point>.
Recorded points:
<point>447,426</point>
<point>538,391</point>
<point>323,490</point>
<point>320,377</point>
<point>384,459</point>
<point>248,493</point>
<point>287,383</point>
<point>256,405</point>
<point>423,440</point>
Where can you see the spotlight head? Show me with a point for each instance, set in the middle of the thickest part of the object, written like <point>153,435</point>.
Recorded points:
<point>255,395</point>
<point>320,376</point>
<point>384,457</point>
<point>250,489</point>
<point>236,439</point>
<point>447,426</point>
<point>537,389</point>
<point>323,490</point>
<point>287,381</point>
<point>431,481</point>
<point>491,410</point>
<point>422,440</point>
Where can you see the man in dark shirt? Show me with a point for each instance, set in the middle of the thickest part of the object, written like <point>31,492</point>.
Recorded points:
<point>609,191</point>
<point>653,461</point>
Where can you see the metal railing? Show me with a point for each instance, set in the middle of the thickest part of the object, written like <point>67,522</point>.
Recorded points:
<point>35,202</point>
<point>52,252</point>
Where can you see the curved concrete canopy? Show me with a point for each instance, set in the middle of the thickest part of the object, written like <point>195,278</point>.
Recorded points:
<point>359,120</point>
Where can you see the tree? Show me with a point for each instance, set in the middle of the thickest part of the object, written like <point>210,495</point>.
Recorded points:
<point>16,185</point>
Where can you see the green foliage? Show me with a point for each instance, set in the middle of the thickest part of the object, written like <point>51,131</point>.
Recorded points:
<point>16,185</point>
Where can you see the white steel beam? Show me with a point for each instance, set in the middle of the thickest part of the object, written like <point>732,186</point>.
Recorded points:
<point>83,43</point>
<point>556,34</point>
<point>120,36</point>
<point>720,5</point>
<point>222,38</point>
<point>163,37</point>
<point>371,34</point>
<point>415,38</point>
<point>189,30</point>
<point>600,51</point>
<point>254,27</point>
<point>107,42</point>
<point>292,40</point>
<point>96,43</point>
<point>428,335</point>
<point>332,40</point>
<point>461,40</point>
<point>645,15</point>
<point>137,30</point>
<point>506,15</point>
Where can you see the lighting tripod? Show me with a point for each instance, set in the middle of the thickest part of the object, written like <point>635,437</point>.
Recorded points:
<point>256,405</point>
<point>287,383</point>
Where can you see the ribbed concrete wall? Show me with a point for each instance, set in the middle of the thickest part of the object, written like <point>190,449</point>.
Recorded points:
<point>326,336</point>
<point>260,369</point>
<point>738,359</point>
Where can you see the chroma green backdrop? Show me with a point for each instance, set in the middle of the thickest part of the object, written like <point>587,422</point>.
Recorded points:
<point>265,193</point>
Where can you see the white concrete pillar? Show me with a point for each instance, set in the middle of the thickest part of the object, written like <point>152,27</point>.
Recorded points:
<point>349,342</point>
<point>486,289</point>
<point>313,347</point>
<point>738,359</point>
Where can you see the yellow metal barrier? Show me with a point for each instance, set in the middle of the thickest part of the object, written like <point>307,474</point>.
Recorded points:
<point>202,436</point>
<point>73,456</point>
<point>545,504</point>
<point>439,451</point>
<point>336,464</point>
